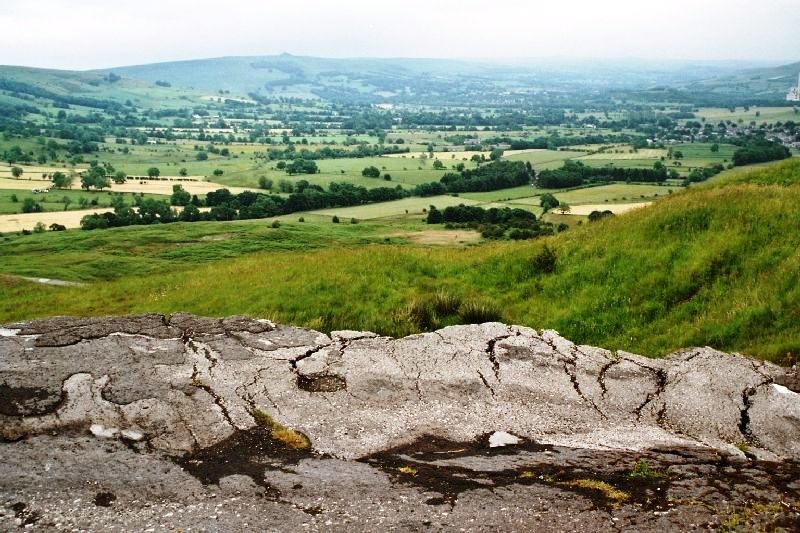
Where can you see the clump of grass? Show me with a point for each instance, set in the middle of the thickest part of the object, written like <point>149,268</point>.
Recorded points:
<point>445,303</point>
<point>478,312</point>
<point>608,490</point>
<point>422,314</point>
<point>742,447</point>
<point>289,437</point>
<point>641,470</point>
<point>527,474</point>
<point>409,470</point>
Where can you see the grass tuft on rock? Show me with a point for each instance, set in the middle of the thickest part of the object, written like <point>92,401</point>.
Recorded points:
<point>289,437</point>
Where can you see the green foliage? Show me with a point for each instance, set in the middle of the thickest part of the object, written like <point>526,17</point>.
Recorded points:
<point>371,172</point>
<point>544,262</point>
<point>29,205</point>
<point>641,470</point>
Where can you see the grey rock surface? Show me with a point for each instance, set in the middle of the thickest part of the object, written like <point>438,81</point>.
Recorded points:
<point>146,422</point>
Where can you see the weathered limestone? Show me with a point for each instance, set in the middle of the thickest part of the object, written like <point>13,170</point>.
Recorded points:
<point>188,387</point>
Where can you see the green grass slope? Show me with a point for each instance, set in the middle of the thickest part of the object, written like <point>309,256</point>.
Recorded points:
<point>716,265</point>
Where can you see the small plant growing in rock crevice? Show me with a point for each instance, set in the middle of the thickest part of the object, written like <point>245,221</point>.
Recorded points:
<point>641,470</point>
<point>289,437</point>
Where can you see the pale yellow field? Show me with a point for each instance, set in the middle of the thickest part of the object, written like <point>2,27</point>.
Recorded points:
<point>644,153</point>
<point>617,209</point>
<point>70,219</point>
<point>35,172</point>
<point>132,185</point>
<point>444,157</point>
<point>165,187</point>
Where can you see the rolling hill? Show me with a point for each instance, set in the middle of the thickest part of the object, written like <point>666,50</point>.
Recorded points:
<point>715,265</point>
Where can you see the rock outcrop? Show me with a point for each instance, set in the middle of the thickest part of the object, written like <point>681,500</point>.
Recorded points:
<point>144,422</point>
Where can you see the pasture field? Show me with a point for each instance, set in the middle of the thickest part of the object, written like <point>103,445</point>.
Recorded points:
<point>606,194</point>
<point>759,115</point>
<point>543,159</point>
<point>406,206</point>
<point>523,191</point>
<point>137,251</point>
<point>54,200</point>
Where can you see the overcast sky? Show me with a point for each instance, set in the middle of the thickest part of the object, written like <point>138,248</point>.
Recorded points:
<point>84,34</point>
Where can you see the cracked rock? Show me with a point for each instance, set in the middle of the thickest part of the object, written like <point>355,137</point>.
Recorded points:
<point>260,410</point>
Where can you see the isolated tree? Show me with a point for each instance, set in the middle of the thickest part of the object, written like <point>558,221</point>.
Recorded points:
<point>264,183</point>
<point>496,154</point>
<point>153,172</point>
<point>547,201</point>
<point>183,172</point>
<point>120,177</point>
<point>29,205</point>
<point>16,172</point>
<point>564,208</point>
<point>61,180</point>
<point>179,196</point>
<point>371,172</point>
<point>201,156</point>
<point>715,148</point>
<point>434,216</point>
<point>438,165</point>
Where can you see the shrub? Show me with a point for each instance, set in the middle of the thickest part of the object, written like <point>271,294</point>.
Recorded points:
<point>301,219</point>
<point>544,262</point>
<point>276,224</point>
<point>353,221</point>
<point>335,219</point>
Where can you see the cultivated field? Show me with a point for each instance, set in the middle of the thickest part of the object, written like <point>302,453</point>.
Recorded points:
<point>69,219</point>
<point>617,209</point>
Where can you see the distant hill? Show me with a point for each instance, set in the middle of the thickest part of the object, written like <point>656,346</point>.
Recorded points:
<point>106,91</point>
<point>761,83</point>
<point>415,80</point>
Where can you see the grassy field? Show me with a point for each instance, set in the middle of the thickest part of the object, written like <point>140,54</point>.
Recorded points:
<point>759,115</point>
<point>714,265</point>
<point>55,199</point>
<point>406,206</point>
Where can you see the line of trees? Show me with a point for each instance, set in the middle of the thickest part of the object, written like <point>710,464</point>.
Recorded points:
<point>760,151</point>
<point>494,223</point>
<point>327,152</point>
<point>575,173</point>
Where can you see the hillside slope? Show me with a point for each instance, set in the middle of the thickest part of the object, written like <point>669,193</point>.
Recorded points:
<point>717,265</point>
<point>422,81</point>
<point>763,83</point>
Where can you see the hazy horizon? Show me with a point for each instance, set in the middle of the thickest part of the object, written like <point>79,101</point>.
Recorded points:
<point>92,34</point>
